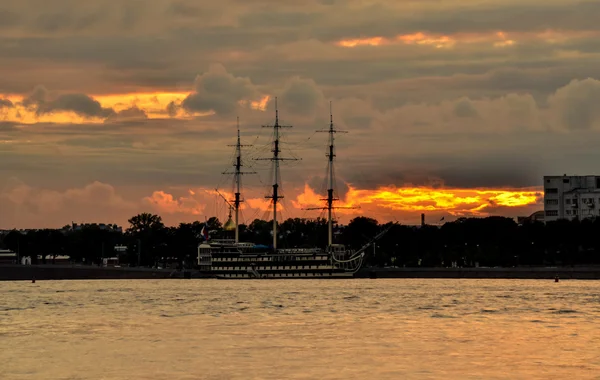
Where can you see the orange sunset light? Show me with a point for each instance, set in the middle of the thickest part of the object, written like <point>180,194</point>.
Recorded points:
<point>372,41</point>
<point>422,39</point>
<point>153,104</point>
<point>399,201</point>
<point>453,201</point>
<point>498,39</point>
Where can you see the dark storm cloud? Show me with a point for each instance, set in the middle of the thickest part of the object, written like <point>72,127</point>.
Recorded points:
<point>446,171</point>
<point>218,91</point>
<point>469,116</point>
<point>81,104</point>
<point>389,21</point>
<point>301,96</point>
<point>131,113</point>
<point>493,161</point>
<point>163,53</point>
<point>122,52</point>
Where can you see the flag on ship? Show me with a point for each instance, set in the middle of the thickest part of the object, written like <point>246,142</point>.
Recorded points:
<point>204,232</point>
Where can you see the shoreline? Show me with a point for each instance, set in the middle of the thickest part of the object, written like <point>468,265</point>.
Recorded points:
<point>13,272</point>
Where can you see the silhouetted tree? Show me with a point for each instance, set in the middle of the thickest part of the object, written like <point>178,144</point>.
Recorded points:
<point>491,241</point>
<point>147,235</point>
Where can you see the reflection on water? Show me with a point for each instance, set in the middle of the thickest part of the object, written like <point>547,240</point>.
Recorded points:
<point>305,329</point>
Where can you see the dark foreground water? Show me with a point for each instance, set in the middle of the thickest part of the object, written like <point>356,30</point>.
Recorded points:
<point>303,329</point>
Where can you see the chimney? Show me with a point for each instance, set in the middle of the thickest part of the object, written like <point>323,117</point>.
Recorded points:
<point>422,220</point>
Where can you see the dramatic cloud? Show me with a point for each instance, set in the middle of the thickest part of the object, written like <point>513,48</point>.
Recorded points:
<point>24,205</point>
<point>301,96</point>
<point>452,108</point>
<point>165,203</point>
<point>218,91</point>
<point>577,104</point>
<point>44,103</point>
<point>131,113</point>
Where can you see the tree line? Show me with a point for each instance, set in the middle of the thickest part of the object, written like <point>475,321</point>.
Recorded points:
<point>465,242</point>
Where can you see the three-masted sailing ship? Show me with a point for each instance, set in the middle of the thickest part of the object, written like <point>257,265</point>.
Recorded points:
<point>232,259</point>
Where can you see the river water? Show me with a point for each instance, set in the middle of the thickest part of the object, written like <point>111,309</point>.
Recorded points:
<point>302,329</point>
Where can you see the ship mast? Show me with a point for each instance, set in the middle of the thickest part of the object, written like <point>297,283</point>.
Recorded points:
<point>330,177</point>
<point>276,158</point>
<point>238,180</point>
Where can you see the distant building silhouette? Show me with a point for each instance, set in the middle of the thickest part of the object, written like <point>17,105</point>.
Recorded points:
<point>571,197</point>
<point>537,216</point>
<point>102,226</point>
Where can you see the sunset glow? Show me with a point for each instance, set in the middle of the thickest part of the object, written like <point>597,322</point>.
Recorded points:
<point>422,39</point>
<point>372,41</point>
<point>498,39</point>
<point>451,109</point>
<point>411,200</point>
<point>147,105</point>
<point>420,199</point>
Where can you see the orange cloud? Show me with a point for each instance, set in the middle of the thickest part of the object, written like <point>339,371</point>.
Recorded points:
<point>392,200</point>
<point>153,104</point>
<point>166,203</point>
<point>25,206</point>
<point>262,204</point>
<point>371,41</point>
<point>420,199</point>
<point>260,105</point>
<point>498,39</point>
<point>422,39</point>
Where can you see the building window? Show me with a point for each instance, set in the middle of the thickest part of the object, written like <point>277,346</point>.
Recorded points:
<point>566,180</point>
<point>551,201</point>
<point>568,201</point>
<point>552,213</point>
<point>587,201</point>
<point>552,191</point>
<point>598,182</point>
<point>568,212</point>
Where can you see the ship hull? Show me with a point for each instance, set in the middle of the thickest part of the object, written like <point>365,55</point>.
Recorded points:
<point>287,278</point>
<point>294,276</point>
<point>236,262</point>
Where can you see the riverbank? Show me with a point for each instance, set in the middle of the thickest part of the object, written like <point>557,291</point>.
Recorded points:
<point>10,272</point>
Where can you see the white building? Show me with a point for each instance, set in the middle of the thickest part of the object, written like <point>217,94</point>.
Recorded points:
<point>571,197</point>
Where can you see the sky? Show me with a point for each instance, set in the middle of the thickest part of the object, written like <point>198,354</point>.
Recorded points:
<point>110,108</point>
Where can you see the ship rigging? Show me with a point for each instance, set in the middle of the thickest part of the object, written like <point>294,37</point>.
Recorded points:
<point>238,260</point>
